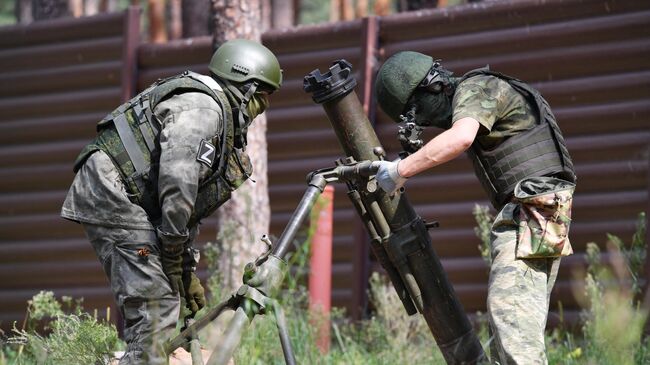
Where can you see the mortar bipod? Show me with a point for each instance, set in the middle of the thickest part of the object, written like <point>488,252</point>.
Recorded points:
<point>247,302</point>
<point>251,300</point>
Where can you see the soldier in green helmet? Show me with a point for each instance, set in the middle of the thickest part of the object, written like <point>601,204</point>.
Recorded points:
<point>521,160</point>
<point>160,163</point>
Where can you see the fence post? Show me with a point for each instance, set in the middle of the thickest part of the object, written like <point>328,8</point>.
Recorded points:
<point>646,290</point>
<point>320,270</point>
<point>131,41</point>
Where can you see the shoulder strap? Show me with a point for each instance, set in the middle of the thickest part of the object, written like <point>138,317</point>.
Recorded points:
<point>227,130</point>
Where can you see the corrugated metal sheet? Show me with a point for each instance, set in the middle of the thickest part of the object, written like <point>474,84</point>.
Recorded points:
<point>57,79</point>
<point>589,58</point>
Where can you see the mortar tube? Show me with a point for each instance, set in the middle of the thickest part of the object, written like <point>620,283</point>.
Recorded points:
<point>442,310</point>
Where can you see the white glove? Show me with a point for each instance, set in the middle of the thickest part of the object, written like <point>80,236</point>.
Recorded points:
<point>388,177</point>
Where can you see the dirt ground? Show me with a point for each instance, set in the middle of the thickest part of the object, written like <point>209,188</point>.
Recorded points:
<point>178,357</point>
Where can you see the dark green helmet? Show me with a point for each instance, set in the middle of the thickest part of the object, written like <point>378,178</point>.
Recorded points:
<point>242,60</point>
<point>397,78</point>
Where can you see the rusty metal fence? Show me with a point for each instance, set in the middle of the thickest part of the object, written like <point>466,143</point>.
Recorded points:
<point>58,79</point>
<point>589,58</point>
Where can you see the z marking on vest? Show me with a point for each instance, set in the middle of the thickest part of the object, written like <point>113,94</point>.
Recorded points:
<point>206,153</point>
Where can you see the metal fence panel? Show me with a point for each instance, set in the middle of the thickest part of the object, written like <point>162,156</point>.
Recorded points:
<point>589,58</point>
<point>57,79</point>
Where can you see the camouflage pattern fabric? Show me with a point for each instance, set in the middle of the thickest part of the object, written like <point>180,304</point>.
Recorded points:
<point>501,111</point>
<point>519,289</point>
<point>127,244</point>
<point>187,119</point>
<point>131,260</point>
<point>544,219</point>
<point>98,196</point>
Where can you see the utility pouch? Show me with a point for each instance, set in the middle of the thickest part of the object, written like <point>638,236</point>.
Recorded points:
<point>239,168</point>
<point>544,217</point>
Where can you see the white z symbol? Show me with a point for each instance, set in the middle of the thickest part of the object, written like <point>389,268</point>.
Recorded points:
<point>205,157</point>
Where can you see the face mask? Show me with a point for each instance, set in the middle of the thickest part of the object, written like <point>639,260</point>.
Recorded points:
<point>432,110</point>
<point>257,104</point>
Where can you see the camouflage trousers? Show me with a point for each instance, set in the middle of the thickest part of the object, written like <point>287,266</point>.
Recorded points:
<point>518,293</point>
<point>131,260</point>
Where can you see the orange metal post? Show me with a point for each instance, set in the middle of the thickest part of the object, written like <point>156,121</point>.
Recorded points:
<point>320,274</point>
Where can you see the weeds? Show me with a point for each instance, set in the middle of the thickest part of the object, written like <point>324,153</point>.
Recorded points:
<point>76,338</point>
<point>482,230</point>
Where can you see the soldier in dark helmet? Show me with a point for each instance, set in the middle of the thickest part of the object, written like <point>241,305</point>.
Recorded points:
<point>160,163</point>
<point>521,160</point>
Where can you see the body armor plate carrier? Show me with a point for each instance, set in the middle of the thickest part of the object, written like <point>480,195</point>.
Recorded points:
<point>130,137</point>
<point>539,151</point>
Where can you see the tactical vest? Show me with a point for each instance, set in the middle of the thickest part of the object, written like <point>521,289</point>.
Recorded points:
<point>130,137</point>
<point>539,151</point>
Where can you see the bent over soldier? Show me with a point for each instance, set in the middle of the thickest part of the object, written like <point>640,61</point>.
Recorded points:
<point>521,160</point>
<point>160,163</point>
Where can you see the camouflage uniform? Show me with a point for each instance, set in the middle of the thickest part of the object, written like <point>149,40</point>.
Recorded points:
<point>529,234</point>
<point>124,239</point>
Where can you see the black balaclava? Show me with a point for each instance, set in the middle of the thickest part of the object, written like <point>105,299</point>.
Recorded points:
<point>431,101</point>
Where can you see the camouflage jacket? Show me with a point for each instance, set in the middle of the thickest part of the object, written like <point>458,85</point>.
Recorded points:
<point>501,111</point>
<point>99,196</point>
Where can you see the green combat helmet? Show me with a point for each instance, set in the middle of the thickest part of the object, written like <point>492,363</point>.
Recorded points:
<point>241,61</point>
<point>397,78</point>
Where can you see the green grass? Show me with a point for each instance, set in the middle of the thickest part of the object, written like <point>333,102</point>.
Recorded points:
<point>59,332</point>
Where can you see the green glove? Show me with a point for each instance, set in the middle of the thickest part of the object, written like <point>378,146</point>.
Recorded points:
<point>194,292</point>
<point>173,268</point>
<point>172,258</point>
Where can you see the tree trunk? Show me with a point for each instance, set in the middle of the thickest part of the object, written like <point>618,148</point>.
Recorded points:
<point>50,9</point>
<point>347,10</point>
<point>157,31</point>
<point>382,7</point>
<point>362,8</point>
<point>76,7</point>
<point>282,13</point>
<point>23,9</point>
<point>341,10</point>
<point>196,18</point>
<point>246,217</point>
<point>335,10</point>
<point>175,23</point>
<point>91,7</point>
<point>265,14</point>
<point>106,6</point>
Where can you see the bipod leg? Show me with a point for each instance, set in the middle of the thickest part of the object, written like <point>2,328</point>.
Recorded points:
<point>186,335</point>
<point>285,340</point>
<point>195,345</point>
<point>251,303</point>
<point>223,352</point>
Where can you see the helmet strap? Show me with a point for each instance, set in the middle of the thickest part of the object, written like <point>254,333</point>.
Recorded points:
<point>438,80</point>
<point>243,119</point>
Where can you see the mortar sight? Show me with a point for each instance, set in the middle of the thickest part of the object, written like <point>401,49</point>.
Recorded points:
<point>336,82</point>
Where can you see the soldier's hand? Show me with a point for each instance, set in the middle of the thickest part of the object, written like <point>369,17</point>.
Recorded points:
<point>173,267</point>
<point>267,277</point>
<point>194,292</point>
<point>388,178</point>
